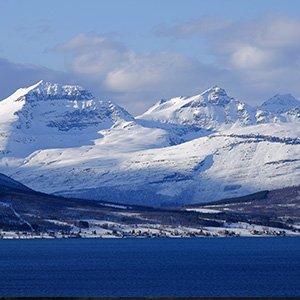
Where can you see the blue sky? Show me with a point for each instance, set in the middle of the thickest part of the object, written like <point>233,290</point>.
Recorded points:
<point>136,51</point>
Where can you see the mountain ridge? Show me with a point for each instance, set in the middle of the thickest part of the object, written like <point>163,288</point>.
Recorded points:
<point>147,160</point>
<point>213,109</point>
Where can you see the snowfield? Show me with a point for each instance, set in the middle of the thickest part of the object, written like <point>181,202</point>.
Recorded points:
<point>60,139</point>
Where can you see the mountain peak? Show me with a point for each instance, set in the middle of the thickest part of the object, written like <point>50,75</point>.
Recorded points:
<point>216,95</point>
<point>36,84</point>
<point>214,89</point>
<point>280,103</point>
<point>44,90</point>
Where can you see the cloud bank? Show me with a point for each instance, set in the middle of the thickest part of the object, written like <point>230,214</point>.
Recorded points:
<point>252,59</point>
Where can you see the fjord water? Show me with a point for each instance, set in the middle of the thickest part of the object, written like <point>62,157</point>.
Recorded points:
<point>151,267</point>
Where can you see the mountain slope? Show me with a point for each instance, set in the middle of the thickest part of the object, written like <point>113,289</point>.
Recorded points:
<point>210,168</point>
<point>227,164</point>
<point>8,183</point>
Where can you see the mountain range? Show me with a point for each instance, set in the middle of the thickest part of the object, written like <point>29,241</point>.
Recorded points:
<point>62,140</point>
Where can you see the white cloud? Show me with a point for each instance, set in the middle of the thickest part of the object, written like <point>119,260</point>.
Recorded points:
<point>265,43</point>
<point>147,72</point>
<point>93,54</point>
<point>268,41</point>
<point>251,57</point>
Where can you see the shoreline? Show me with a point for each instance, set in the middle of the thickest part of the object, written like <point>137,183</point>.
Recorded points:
<point>224,233</point>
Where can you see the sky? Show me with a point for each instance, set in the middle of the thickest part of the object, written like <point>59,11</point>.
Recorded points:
<point>136,52</point>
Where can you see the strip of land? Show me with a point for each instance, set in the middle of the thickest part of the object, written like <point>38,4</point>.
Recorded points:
<point>25,213</point>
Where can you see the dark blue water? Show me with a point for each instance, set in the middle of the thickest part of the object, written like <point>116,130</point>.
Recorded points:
<point>151,267</point>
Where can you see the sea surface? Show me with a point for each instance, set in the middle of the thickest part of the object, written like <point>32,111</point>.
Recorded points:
<point>151,267</point>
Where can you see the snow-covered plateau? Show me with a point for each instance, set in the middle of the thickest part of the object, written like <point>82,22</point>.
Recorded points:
<point>61,139</point>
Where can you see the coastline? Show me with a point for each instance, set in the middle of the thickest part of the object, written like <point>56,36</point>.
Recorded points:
<point>152,232</point>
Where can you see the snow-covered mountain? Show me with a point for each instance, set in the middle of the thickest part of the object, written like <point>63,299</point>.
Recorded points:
<point>280,104</point>
<point>60,139</point>
<point>214,110</point>
<point>210,110</point>
<point>280,108</point>
<point>48,115</point>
